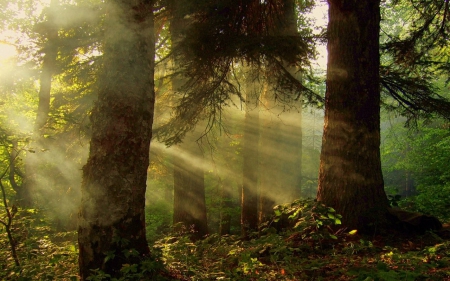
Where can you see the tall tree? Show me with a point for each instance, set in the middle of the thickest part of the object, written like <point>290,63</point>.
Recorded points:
<point>49,31</point>
<point>250,154</point>
<point>350,178</point>
<point>281,133</point>
<point>189,177</point>
<point>111,218</point>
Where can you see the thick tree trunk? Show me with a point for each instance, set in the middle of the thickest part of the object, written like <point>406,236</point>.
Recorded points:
<point>111,219</point>
<point>249,194</point>
<point>350,178</point>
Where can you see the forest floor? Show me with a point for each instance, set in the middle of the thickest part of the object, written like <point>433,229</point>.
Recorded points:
<point>287,256</point>
<point>311,250</point>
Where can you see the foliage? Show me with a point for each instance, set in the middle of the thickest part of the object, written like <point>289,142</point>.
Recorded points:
<point>312,220</point>
<point>148,269</point>
<point>43,253</point>
<point>287,256</point>
<point>424,155</point>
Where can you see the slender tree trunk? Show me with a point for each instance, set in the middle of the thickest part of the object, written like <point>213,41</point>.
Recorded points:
<point>281,136</point>
<point>189,183</point>
<point>226,205</point>
<point>32,160</point>
<point>112,217</point>
<point>250,154</point>
<point>189,190</point>
<point>270,183</point>
<point>291,126</point>
<point>350,178</point>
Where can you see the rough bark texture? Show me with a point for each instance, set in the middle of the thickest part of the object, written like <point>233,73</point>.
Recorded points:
<point>350,178</point>
<point>249,194</point>
<point>111,219</point>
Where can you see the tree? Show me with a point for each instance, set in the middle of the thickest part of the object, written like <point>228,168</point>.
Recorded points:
<point>350,172</point>
<point>350,178</point>
<point>189,179</point>
<point>281,134</point>
<point>49,31</point>
<point>111,228</point>
<point>250,154</point>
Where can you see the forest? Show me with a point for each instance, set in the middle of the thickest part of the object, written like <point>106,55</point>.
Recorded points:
<point>224,140</point>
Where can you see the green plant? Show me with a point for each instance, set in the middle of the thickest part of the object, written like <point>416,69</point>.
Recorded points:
<point>311,220</point>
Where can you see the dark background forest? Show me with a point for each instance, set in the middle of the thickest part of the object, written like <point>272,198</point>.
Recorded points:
<point>224,140</point>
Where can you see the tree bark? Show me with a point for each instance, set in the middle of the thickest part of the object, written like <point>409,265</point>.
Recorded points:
<point>112,217</point>
<point>350,178</point>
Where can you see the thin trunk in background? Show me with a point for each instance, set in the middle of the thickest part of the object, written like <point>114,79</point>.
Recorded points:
<point>270,174</point>
<point>50,50</point>
<point>226,205</point>
<point>281,135</point>
<point>189,205</point>
<point>250,154</point>
<point>189,183</point>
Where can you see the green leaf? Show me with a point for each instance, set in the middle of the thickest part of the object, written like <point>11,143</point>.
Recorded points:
<point>337,221</point>
<point>333,236</point>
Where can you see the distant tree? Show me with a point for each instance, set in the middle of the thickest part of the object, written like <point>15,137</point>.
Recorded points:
<point>250,155</point>
<point>49,31</point>
<point>111,229</point>
<point>189,178</point>
<point>281,133</point>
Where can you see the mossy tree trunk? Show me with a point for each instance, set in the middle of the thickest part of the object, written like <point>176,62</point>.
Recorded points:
<point>112,218</point>
<point>350,178</point>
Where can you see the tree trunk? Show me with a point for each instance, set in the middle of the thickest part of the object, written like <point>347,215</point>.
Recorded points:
<point>112,217</point>
<point>291,127</point>
<point>249,194</point>
<point>32,160</point>
<point>189,204</point>
<point>350,178</point>
<point>281,136</point>
<point>189,183</point>
<point>226,205</point>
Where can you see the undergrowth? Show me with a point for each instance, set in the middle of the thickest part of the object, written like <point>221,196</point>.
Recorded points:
<point>303,241</point>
